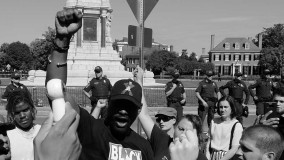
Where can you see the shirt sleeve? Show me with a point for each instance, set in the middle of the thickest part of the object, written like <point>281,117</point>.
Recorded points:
<point>246,93</point>
<point>109,85</point>
<point>199,88</point>
<point>224,87</point>
<point>216,87</point>
<point>6,93</point>
<point>88,87</point>
<point>251,87</point>
<point>237,134</point>
<point>84,129</point>
<point>182,88</point>
<point>159,140</point>
<point>168,87</point>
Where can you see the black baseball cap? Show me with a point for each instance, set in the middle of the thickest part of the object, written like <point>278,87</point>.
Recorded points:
<point>238,74</point>
<point>127,89</point>
<point>15,76</point>
<point>266,71</point>
<point>209,73</point>
<point>98,69</point>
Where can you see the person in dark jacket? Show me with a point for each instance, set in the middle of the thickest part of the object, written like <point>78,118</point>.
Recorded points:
<point>176,96</point>
<point>236,89</point>
<point>206,97</point>
<point>14,86</point>
<point>263,91</point>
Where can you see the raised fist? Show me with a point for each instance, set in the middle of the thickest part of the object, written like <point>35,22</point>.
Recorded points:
<point>68,22</point>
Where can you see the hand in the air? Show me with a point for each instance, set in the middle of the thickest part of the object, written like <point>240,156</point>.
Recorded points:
<point>59,141</point>
<point>186,147</point>
<point>271,121</point>
<point>68,22</point>
<point>102,103</point>
<point>138,75</point>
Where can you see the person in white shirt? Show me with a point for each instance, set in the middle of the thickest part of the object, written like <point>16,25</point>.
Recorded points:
<point>225,131</point>
<point>22,111</point>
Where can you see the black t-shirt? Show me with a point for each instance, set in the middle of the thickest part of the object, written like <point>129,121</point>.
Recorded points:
<point>160,142</point>
<point>177,92</point>
<point>11,88</point>
<point>207,88</point>
<point>99,144</point>
<point>100,87</point>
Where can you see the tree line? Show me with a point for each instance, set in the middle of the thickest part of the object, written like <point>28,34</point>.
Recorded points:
<point>21,56</point>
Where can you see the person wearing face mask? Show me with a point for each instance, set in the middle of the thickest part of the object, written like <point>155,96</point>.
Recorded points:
<point>263,92</point>
<point>236,89</point>
<point>175,93</point>
<point>14,86</point>
<point>279,84</point>
<point>206,97</point>
<point>100,87</point>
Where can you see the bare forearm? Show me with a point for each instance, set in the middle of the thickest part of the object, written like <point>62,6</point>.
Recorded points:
<point>87,94</point>
<point>170,91</point>
<point>199,97</point>
<point>230,153</point>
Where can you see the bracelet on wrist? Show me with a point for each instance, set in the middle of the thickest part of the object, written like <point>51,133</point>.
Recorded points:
<point>60,49</point>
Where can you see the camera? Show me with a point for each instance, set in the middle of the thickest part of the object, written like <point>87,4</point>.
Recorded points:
<point>245,111</point>
<point>271,106</point>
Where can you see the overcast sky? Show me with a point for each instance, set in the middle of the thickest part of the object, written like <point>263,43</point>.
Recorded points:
<point>185,24</point>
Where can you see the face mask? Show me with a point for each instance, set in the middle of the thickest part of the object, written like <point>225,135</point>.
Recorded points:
<point>176,76</point>
<point>175,81</point>
<point>237,80</point>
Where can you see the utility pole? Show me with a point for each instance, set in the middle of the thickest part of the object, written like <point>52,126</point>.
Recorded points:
<point>141,34</point>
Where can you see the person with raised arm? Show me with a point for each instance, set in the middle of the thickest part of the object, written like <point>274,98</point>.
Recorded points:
<point>159,139</point>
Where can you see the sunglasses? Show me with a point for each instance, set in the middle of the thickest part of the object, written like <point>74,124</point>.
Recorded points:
<point>164,118</point>
<point>97,71</point>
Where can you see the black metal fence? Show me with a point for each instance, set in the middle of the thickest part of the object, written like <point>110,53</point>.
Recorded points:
<point>155,97</point>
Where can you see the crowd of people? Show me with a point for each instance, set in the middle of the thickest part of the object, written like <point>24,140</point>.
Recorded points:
<point>105,132</point>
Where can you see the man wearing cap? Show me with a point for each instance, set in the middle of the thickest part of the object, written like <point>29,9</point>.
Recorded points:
<point>175,93</point>
<point>112,137</point>
<point>206,97</point>
<point>14,86</point>
<point>278,85</point>
<point>263,91</point>
<point>166,119</point>
<point>100,87</point>
<point>236,89</point>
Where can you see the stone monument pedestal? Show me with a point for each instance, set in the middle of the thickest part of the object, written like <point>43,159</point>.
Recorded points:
<point>91,46</point>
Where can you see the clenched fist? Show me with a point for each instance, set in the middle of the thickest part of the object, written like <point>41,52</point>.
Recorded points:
<point>68,22</point>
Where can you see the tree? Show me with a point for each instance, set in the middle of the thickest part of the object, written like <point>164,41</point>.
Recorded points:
<point>4,47</point>
<point>201,60</point>
<point>192,57</point>
<point>160,60</point>
<point>40,48</point>
<point>270,59</point>
<point>272,37</point>
<point>273,49</point>
<point>18,56</point>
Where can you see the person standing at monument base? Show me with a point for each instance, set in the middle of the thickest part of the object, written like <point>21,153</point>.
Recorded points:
<point>206,98</point>
<point>15,85</point>
<point>263,91</point>
<point>175,93</point>
<point>236,89</point>
<point>100,87</point>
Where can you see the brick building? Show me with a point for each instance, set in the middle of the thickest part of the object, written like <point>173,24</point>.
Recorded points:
<point>235,55</point>
<point>131,53</point>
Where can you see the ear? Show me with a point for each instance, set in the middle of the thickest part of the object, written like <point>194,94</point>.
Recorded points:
<point>269,156</point>
<point>34,111</point>
<point>174,120</point>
